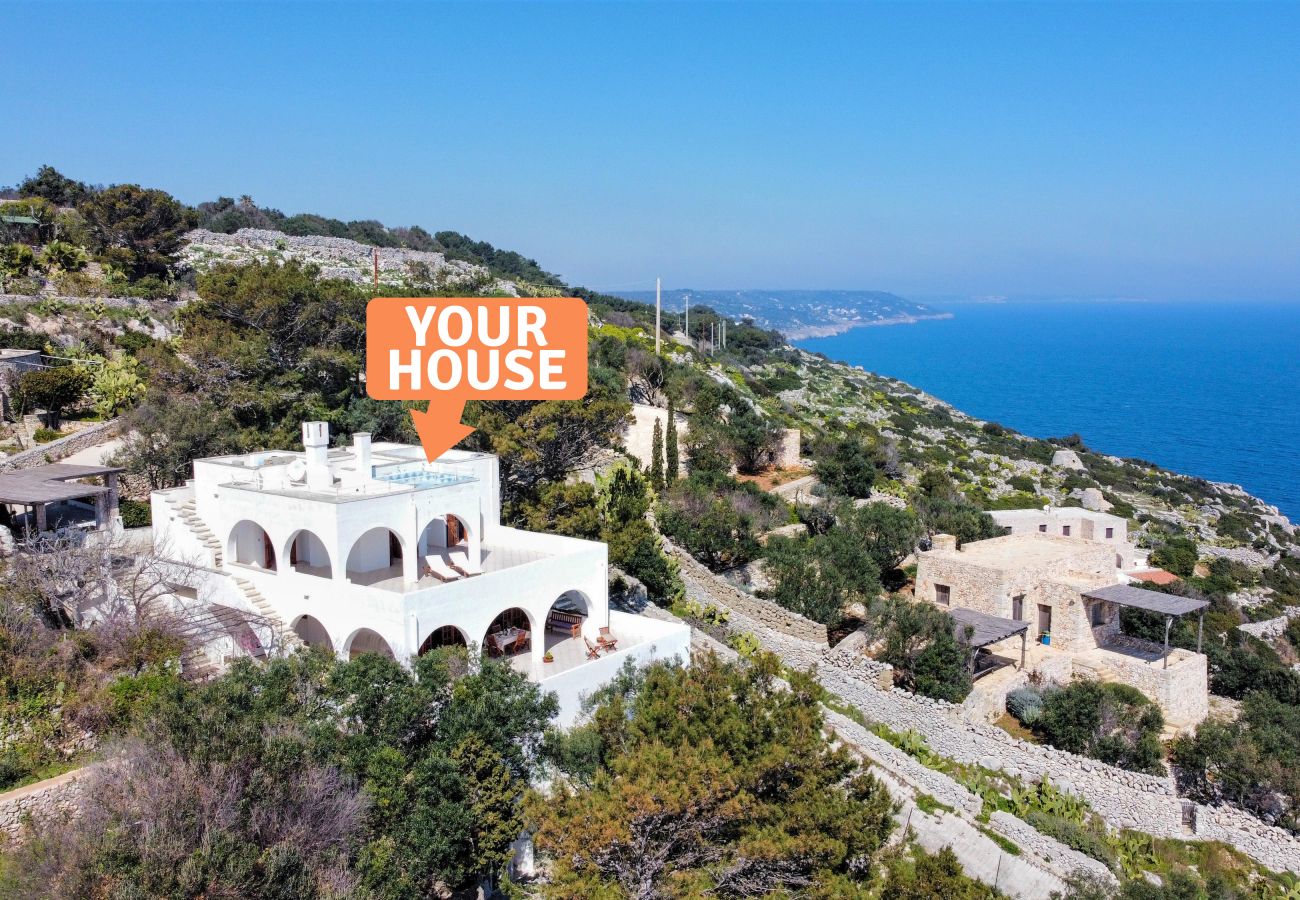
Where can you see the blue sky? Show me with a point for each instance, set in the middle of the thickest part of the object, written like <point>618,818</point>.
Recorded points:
<point>1127,150</point>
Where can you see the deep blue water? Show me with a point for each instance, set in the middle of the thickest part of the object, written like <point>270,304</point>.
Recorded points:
<point>1206,389</point>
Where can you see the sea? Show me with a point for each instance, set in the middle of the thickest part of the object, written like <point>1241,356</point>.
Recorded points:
<point>1208,389</point>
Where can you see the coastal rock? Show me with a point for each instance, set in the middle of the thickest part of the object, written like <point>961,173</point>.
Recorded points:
<point>1067,459</point>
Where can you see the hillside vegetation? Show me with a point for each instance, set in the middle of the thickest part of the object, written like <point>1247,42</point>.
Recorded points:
<point>229,351</point>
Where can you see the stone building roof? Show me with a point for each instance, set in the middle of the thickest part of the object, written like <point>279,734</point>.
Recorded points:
<point>51,483</point>
<point>984,629</point>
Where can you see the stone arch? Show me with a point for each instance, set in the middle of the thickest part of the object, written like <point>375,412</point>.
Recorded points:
<point>250,545</point>
<point>308,555</point>
<point>367,640</point>
<point>446,636</point>
<point>375,555</point>
<point>515,618</point>
<point>312,632</point>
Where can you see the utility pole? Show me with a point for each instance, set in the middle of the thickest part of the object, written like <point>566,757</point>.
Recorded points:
<point>658,304</point>
<point>376,270</point>
<point>687,329</point>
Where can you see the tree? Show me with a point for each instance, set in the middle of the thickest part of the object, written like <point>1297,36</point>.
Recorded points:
<point>922,646</point>
<point>750,437</point>
<point>138,230</point>
<point>53,390</point>
<point>693,797</point>
<point>50,184</point>
<point>847,467</point>
<point>818,576</point>
<point>1178,555</point>
<point>1115,723</point>
<point>657,457</point>
<point>165,436</point>
<point>672,468</point>
<point>887,534</point>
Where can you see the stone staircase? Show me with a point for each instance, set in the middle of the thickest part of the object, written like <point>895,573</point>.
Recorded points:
<point>284,636</point>
<point>186,513</point>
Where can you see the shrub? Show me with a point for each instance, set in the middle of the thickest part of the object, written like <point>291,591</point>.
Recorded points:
<point>135,513</point>
<point>1026,704</point>
<point>1177,555</point>
<point>1073,835</point>
<point>45,435</point>
<point>1115,723</point>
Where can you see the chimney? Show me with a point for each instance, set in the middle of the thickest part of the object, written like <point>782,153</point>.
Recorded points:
<point>944,543</point>
<point>316,443</point>
<point>361,449</point>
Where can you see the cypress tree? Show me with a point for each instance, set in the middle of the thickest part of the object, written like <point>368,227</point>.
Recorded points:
<point>672,470</point>
<point>657,457</point>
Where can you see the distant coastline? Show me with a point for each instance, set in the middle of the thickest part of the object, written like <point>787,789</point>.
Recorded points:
<point>834,328</point>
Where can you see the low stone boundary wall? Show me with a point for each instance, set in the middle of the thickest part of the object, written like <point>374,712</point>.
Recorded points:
<point>703,584</point>
<point>64,446</point>
<point>52,796</point>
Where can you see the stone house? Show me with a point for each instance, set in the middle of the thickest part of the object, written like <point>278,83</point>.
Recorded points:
<point>1073,521</point>
<point>1069,592</point>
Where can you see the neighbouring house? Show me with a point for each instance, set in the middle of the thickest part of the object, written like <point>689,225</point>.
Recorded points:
<point>369,548</point>
<point>1074,521</point>
<point>1064,594</point>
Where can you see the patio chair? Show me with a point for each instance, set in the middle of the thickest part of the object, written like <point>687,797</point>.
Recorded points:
<point>521,642</point>
<point>592,651</point>
<point>607,640</point>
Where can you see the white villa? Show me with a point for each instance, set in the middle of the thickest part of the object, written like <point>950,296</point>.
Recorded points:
<point>370,548</point>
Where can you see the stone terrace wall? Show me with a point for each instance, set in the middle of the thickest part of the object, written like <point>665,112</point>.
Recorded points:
<point>703,585</point>
<point>1124,799</point>
<point>44,798</point>
<point>64,446</point>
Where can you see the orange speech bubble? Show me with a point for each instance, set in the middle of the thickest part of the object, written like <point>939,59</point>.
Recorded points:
<point>452,349</point>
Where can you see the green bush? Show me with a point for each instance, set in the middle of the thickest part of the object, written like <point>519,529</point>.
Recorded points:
<point>1086,840</point>
<point>1115,723</point>
<point>135,513</point>
<point>44,435</point>
<point>1177,555</point>
<point>1026,704</point>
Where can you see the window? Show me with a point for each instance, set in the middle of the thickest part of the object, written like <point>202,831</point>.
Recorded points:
<point>1065,530</point>
<point>1018,607</point>
<point>1043,528</point>
<point>1110,533</point>
<point>943,594</point>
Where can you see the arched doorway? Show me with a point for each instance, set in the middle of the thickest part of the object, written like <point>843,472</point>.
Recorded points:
<point>509,635</point>
<point>308,556</point>
<point>375,556</point>
<point>446,636</point>
<point>312,632</point>
<point>367,641</point>
<point>565,629</point>
<point>250,545</point>
<point>457,533</point>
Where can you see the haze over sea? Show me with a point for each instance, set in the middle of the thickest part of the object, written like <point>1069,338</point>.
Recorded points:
<point>1205,389</point>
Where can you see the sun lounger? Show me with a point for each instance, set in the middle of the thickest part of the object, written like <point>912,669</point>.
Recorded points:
<point>459,560</point>
<point>439,568</point>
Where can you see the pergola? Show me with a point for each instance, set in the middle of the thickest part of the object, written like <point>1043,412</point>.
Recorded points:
<point>978,630</point>
<point>1167,605</point>
<point>38,487</point>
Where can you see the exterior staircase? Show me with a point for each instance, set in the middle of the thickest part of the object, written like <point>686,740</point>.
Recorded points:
<point>284,636</point>
<point>185,512</point>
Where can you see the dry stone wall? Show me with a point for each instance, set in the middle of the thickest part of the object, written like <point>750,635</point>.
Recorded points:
<point>703,585</point>
<point>64,447</point>
<point>54,796</point>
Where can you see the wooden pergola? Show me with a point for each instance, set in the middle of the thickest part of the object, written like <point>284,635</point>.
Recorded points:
<point>39,487</point>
